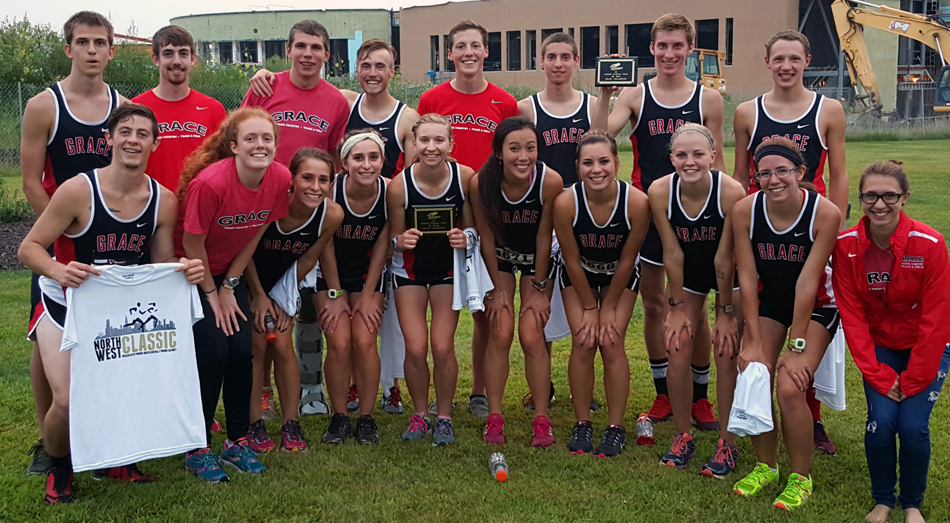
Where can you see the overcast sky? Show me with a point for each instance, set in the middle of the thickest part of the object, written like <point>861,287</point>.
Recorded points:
<point>150,15</point>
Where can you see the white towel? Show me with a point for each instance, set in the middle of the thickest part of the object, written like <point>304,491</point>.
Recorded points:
<point>471,280</point>
<point>557,327</point>
<point>829,377</point>
<point>751,413</point>
<point>392,344</point>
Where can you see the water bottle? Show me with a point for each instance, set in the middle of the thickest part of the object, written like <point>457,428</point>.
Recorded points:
<point>498,466</point>
<point>269,323</point>
<point>645,431</point>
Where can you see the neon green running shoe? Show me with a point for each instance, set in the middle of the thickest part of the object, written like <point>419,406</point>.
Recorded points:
<point>760,477</point>
<point>795,494</point>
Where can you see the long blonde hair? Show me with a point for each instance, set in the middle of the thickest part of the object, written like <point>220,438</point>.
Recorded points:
<point>218,146</point>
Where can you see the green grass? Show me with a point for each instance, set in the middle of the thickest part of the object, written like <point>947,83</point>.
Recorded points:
<point>400,481</point>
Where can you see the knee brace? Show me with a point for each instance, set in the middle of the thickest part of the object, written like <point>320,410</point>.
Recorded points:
<point>308,341</point>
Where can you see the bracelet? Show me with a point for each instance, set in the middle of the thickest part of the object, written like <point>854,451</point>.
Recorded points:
<point>211,291</point>
<point>594,308</point>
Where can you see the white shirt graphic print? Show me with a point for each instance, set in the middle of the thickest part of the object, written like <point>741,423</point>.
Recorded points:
<point>134,391</point>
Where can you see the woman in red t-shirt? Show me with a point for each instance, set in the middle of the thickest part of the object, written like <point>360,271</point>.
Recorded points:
<point>891,277</point>
<point>231,189</point>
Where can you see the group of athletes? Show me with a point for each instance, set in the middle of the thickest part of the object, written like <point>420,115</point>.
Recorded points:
<point>304,173</point>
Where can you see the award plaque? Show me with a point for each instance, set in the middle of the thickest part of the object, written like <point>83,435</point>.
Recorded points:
<point>616,71</point>
<point>435,219</point>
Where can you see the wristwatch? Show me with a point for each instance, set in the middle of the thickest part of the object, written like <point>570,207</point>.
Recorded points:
<point>395,243</point>
<point>728,309</point>
<point>539,285</point>
<point>334,293</point>
<point>674,303</point>
<point>796,345</point>
<point>231,283</point>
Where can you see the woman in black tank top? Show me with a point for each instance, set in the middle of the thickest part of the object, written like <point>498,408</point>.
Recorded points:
<point>689,209</point>
<point>434,173</point>
<point>784,241</point>
<point>354,262</point>
<point>299,238</point>
<point>514,211</point>
<point>592,220</point>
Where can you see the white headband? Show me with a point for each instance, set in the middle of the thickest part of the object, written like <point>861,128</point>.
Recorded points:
<point>357,138</point>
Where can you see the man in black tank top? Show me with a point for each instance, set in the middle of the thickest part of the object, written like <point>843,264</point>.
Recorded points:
<point>654,111</point>
<point>99,213</point>
<point>375,108</point>
<point>814,123</point>
<point>63,136</point>
<point>560,112</point>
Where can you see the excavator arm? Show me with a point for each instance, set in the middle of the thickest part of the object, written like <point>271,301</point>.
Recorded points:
<point>850,23</point>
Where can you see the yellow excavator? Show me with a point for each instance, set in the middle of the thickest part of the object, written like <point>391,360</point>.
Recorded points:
<point>850,23</point>
<point>705,66</point>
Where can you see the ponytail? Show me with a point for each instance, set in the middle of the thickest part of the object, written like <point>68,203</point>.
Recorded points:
<point>492,173</point>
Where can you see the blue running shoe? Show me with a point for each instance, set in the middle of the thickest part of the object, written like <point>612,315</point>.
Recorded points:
<point>240,456</point>
<point>204,464</point>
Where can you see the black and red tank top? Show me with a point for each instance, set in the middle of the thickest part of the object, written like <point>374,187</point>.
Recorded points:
<point>388,128</point>
<point>559,137</point>
<point>108,239</point>
<point>355,239</point>
<point>76,146</point>
<point>653,130</point>
<point>698,235</point>
<point>520,221</point>
<point>600,246</point>
<point>279,249</point>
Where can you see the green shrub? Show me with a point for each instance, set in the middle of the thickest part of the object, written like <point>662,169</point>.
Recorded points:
<point>13,207</point>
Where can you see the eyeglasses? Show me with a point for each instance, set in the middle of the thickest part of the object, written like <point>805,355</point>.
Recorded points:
<point>890,198</point>
<point>781,172</point>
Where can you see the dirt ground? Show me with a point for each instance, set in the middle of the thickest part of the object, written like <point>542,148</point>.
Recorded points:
<point>11,234</point>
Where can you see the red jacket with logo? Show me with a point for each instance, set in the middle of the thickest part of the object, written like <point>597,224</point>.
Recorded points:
<point>916,313</point>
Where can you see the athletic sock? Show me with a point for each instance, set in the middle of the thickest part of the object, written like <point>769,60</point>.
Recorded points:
<point>813,404</point>
<point>700,382</point>
<point>63,462</point>
<point>659,375</point>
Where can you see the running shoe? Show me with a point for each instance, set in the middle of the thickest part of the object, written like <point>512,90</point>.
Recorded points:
<point>612,443</point>
<point>542,432</point>
<point>443,433</point>
<point>204,464</point>
<point>216,426</point>
<point>392,403</point>
<point>528,402</point>
<point>129,473</point>
<point>367,433</point>
<point>59,485</point>
<point>240,456</point>
<point>704,416</point>
<point>434,408</point>
<point>494,433</point>
<point>594,406</point>
<point>418,427</point>
<point>339,429</point>
<point>661,409</point>
<point>40,463</point>
<point>681,451</point>
<point>822,441</point>
<point>291,437</point>
<point>723,461</point>
<point>267,404</point>
<point>796,493</point>
<point>258,438</point>
<point>478,405</point>
<point>760,477</point>
<point>353,400</point>
<point>582,438</point>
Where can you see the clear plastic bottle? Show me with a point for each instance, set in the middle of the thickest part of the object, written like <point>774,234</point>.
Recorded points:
<point>498,466</point>
<point>645,431</point>
<point>269,323</point>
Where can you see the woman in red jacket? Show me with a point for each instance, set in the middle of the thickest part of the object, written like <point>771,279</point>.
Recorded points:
<point>891,278</point>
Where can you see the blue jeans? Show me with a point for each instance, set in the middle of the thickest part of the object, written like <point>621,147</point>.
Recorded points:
<point>911,420</point>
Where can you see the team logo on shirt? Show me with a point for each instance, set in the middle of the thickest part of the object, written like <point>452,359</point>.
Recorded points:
<point>87,145</point>
<point>481,121</point>
<point>664,126</point>
<point>238,219</point>
<point>141,331</point>
<point>782,252</point>
<point>572,135</point>
<point>696,234</point>
<point>878,277</point>
<point>912,262</point>
<point>800,140</point>
<point>196,129</point>
<point>288,118</point>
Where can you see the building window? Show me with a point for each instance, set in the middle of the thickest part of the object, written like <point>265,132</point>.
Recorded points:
<point>434,52</point>
<point>493,62</point>
<point>570,31</point>
<point>590,47</point>
<point>276,48</point>
<point>638,43</point>
<point>447,44</point>
<point>707,34</point>
<point>545,33</point>
<point>613,43</point>
<point>249,52</point>
<point>514,50</point>
<point>728,41</point>
<point>339,64</point>
<point>531,49</point>
<point>225,52</point>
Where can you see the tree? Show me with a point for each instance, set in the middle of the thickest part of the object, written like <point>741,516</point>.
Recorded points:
<point>31,54</point>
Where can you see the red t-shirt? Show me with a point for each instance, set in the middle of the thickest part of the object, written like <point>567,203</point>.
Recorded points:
<point>307,117</point>
<point>182,126</point>
<point>879,266</point>
<point>220,206</point>
<point>473,117</point>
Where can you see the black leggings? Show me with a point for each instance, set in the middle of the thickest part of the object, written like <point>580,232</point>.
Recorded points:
<point>228,359</point>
